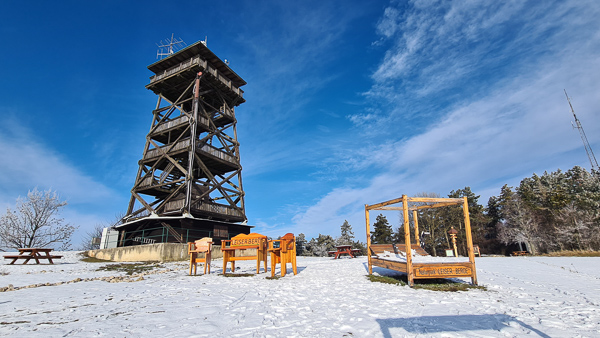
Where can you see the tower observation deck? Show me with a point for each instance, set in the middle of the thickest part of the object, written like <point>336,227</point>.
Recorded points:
<point>189,181</point>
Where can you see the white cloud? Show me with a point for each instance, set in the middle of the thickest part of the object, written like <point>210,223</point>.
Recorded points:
<point>33,165</point>
<point>517,124</point>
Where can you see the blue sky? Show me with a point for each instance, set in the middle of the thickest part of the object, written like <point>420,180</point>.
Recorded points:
<point>348,102</point>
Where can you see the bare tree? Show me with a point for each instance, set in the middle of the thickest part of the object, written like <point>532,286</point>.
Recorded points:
<point>96,232</point>
<point>520,226</point>
<point>575,229</point>
<point>88,239</point>
<point>35,223</point>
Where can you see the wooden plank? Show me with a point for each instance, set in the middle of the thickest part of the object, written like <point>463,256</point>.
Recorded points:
<point>382,204</point>
<point>434,200</point>
<point>380,248</point>
<point>418,249</point>
<point>245,247</point>
<point>242,258</point>
<point>409,265</point>
<point>443,270</point>
<point>388,208</point>
<point>369,250</point>
<point>392,265</point>
<point>432,206</point>
<point>469,239</point>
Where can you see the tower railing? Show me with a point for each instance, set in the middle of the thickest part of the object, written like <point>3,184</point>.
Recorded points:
<point>197,61</point>
<point>183,144</point>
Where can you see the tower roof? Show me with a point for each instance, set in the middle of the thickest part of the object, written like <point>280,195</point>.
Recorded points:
<point>197,48</point>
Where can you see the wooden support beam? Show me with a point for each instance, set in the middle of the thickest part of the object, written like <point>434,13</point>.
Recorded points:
<point>368,239</point>
<point>416,221</point>
<point>469,238</point>
<point>409,268</point>
<point>383,204</point>
<point>432,206</point>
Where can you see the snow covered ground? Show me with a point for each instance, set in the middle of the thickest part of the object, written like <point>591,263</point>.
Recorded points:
<point>527,296</point>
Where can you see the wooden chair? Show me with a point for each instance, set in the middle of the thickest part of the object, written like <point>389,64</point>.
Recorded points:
<point>203,245</point>
<point>283,251</point>
<point>244,242</point>
<point>476,251</point>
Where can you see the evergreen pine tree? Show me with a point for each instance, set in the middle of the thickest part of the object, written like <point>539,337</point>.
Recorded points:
<point>382,231</point>
<point>347,236</point>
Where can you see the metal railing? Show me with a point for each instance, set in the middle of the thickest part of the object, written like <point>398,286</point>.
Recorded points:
<point>161,235</point>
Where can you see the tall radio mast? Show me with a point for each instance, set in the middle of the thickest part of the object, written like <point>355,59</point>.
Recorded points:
<point>586,144</point>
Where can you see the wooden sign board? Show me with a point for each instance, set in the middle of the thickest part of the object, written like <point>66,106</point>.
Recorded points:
<point>443,271</point>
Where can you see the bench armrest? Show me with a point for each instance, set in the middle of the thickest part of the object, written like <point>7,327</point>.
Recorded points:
<point>224,243</point>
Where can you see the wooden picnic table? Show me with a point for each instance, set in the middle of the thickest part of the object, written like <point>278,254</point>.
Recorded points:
<point>33,253</point>
<point>344,249</point>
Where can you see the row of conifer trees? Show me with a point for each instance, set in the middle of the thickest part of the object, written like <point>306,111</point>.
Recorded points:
<point>553,212</point>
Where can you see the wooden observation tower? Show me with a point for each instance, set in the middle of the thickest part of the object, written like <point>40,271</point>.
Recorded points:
<point>189,182</point>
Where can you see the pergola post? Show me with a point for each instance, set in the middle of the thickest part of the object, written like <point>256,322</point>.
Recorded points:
<point>469,239</point>
<point>368,238</point>
<point>416,220</point>
<point>409,269</point>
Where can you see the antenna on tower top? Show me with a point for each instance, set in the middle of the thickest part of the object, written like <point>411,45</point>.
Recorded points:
<point>586,144</point>
<point>169,47</point>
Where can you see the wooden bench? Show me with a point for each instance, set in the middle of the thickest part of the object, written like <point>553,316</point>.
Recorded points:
<point>519,253</point>
<point>28,254</point>
<point>283,251</point>
<point>244,242</point>
<point>203,245</point>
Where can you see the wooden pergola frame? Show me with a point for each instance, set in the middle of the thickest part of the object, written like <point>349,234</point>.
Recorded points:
<point>422,270</point>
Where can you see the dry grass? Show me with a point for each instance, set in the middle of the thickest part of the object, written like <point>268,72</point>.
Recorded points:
<point>94,260</point>
<point>239,275</point>
<point>386,280</point>
<point>129,269</point>
<point>573,253</point>
<point>441,284</point>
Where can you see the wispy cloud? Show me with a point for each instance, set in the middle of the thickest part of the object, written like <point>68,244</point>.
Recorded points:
<point>484,82</point>
<point>33,164</point>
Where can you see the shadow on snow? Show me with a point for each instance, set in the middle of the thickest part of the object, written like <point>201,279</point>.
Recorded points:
<point>436,324</point>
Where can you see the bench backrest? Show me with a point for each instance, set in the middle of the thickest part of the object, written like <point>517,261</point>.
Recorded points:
<point>378,249</point>
<point>418,249</point>
<point>252,239</point>
<point>288,242</point>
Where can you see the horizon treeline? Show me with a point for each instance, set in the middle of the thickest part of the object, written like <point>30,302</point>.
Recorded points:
<point>556,211</point>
